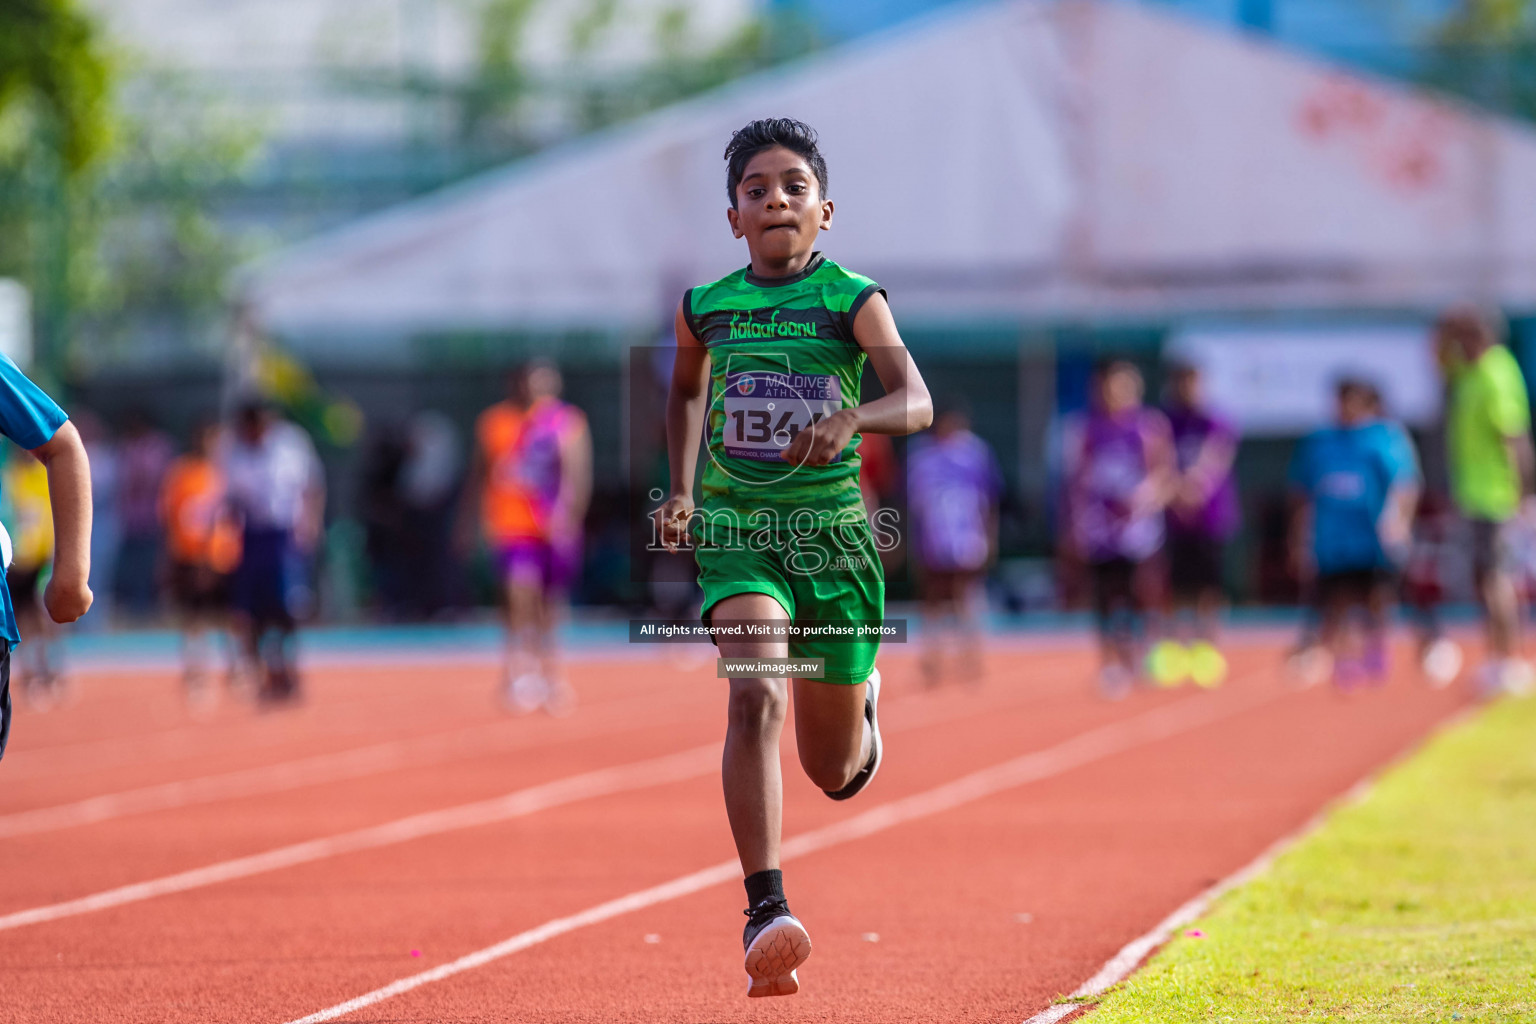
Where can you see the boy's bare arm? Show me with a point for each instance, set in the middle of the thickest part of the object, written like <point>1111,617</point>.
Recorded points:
<point>685,422</point>
<point>575,494</point>
<point>68,595</point>
<point>905,408</point>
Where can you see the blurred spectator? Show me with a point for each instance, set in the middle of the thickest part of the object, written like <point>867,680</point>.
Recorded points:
<point>277,494</point>
<point>144,455</point>
<point>30,521</point>
<point>1356,487</point>
<point>384,519</point>
<point>202,548</point>
<point>106,527</point>
<point>1202,516</point>
<point>532,482</point>
<point>1119,474</point>
<point>410,484</point>
<point>954,486</point>
<point>431,474</point>
<point>1488,444</point>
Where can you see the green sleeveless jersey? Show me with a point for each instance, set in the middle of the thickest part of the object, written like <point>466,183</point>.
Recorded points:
<point>782,358</point>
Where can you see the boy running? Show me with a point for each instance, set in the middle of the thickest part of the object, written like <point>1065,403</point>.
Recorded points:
<point>32,420</point>
<point>770,358</point>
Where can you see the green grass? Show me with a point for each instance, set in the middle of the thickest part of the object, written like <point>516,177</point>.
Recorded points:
<point>1416,904</point>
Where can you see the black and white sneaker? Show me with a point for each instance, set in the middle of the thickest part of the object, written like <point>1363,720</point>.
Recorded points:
<point>871,715</point>
<point>776,944</point>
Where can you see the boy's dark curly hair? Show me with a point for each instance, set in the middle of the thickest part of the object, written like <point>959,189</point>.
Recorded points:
<point>795,136</point>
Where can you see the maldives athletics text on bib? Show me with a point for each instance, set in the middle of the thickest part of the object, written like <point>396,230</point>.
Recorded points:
<point>765,412</point>
<point>782,359</point>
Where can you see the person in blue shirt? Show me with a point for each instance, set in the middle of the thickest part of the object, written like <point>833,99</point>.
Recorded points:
<point>1356,484</point>
<point>35,422</point>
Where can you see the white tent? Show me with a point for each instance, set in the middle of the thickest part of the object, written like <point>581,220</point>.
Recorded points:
<point>1021,159</point>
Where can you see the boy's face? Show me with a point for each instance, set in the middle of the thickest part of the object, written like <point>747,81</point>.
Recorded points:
<point>779,207</point>
<point>1354,406</point>
<point>1121,391</point>
<point>1186,389</point>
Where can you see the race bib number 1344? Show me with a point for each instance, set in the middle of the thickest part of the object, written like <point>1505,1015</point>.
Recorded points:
<point>765,412</point>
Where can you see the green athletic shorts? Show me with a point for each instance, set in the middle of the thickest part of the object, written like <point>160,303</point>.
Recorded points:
<point>831,576</point>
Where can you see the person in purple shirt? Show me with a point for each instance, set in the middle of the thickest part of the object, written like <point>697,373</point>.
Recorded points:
<point>1201,518</point>
<point>1120,471</point>
<point>954,486</point>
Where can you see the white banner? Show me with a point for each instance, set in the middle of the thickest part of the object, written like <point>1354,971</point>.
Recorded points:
<point>1280,381</point>
<point>15,322</point>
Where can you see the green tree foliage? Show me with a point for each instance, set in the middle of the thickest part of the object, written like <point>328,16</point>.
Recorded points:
<point>1485,50</point>
<point>53,66</point>
<point>105,198</point>
<point>685,66</point>
<point>55,128</point>
<point>160,255</point>
<point>497,103</point>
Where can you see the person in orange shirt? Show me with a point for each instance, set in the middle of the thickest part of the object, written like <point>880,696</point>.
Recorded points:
<point>202,549</point>
<point>532,482</point>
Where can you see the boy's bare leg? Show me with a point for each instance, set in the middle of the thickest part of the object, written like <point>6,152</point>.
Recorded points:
<point>831,732</point>
<point>750,772</point>
<point>1500,597</point>
<point>522,650</point>
<point>559,697</point>
<point>970,600</point>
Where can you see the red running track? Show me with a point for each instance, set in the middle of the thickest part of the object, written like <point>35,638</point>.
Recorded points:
<point>928,899</point>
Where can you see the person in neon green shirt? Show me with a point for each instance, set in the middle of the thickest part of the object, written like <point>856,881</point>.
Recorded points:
<point>1488,447</point>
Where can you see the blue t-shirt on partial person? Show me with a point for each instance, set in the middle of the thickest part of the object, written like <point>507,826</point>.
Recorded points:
<point>30,418</point>
<point>1347,474</point>
<point>1402,456</point>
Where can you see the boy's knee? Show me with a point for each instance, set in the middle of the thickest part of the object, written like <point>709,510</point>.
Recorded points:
<point>757,705</point>
<point>830,770</point>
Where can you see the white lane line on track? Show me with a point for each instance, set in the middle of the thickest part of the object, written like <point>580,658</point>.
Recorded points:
<point>1120,966</point>
<point>1085,748</point>
<point>588,785</point>
<point>439,748</point>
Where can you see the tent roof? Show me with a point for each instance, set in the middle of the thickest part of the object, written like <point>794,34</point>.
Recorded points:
<point>1016,159</point>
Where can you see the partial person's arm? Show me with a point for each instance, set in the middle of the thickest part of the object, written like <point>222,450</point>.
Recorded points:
<point>68,594</point>
<point>1162,481</point>
<point>1402,508</point>
<point>1211,466</point>
<point>1522,455</point>
<point>466,521</point>
<point>312,516</point>
<point>686,402</point>
<point>1300,499</point>
<point>905,408</point>
<point>575,477</point>
<point>1508,409</point>
<point>1301,537</point>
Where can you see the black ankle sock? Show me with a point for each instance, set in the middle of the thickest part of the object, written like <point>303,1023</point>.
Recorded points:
<point>764,885</point>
